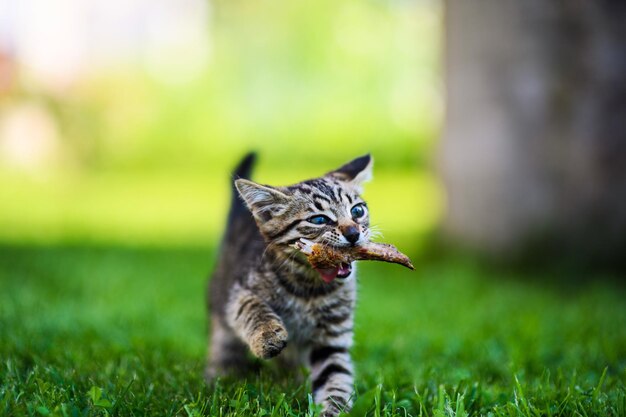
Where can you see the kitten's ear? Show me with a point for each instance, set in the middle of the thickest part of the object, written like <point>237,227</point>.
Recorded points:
<point>355,172</point>
<point>263,201</point>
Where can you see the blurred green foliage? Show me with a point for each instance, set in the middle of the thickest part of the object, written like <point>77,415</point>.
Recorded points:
<point>309,86</point>
<point>164,209</point>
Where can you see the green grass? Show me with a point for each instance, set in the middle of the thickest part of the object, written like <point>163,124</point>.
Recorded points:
<point>122,331</point>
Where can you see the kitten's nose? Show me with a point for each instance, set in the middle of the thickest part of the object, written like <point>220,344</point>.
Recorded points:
<point>351,234</point>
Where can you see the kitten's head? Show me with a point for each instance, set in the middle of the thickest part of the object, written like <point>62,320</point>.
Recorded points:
<point>327,210</point>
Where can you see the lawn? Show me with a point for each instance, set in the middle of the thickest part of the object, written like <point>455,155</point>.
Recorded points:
<point>121,330</point>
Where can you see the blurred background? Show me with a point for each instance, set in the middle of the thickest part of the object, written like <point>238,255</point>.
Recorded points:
<point>498,129</point>
<point>120,120</point>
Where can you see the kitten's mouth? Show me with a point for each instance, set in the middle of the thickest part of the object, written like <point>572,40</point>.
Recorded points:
<point>341,271</point>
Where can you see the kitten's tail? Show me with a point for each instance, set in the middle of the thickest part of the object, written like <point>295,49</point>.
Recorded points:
<point>243,170</point>
<point>244,167</point>
<point>240,231</point>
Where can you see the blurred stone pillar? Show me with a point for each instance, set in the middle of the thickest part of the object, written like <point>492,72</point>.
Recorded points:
<point>534,147</point>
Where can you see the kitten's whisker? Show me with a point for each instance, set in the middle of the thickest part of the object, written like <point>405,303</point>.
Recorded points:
<point>375,231</point>
<point>288,262</point>
<point>284,263</point>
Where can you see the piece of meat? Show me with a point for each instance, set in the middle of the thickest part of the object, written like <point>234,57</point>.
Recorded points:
<point>322,257</point>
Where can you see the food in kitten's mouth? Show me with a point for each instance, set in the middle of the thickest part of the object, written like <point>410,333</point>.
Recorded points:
<point>332,262</point>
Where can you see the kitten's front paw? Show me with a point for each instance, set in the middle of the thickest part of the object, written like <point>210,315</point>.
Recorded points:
<point>268,340</point>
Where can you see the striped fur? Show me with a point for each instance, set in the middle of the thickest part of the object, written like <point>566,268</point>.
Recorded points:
<point>264,296</point>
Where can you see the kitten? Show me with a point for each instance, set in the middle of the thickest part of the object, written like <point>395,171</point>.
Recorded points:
<point>265,297</point>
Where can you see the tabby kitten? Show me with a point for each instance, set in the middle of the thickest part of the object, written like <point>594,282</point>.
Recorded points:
<point>265,297</point>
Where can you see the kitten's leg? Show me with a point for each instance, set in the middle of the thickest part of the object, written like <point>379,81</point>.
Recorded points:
<point>227,354</point>
<point>256,324</point>
<point>332,376</point>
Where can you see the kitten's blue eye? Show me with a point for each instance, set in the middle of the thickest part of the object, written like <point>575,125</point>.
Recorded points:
<point>357,211</point>
<point>321,219</point>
